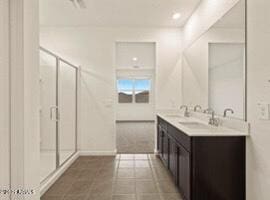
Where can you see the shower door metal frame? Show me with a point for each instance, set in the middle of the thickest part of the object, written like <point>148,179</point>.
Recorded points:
<point>58,60</point>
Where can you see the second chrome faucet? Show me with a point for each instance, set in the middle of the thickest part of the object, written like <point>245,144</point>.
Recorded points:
<point>186,113</point>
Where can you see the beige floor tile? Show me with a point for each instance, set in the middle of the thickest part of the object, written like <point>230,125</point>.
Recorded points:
<point>95,158</point>
<point>127,157</point>
<point>101,186</point>
<point>71,173</point>
<point>107,179</point>
<point>167,187</point>
<point>171,196</point>
<point>58,189</point>
<point>143,173</point>
<point>148,197</point>
<point>100,196</point>
<point>126,173</point>
<point>87,175</point>
<point>50,197</point>
<point>143,164</point>
<point>124,197</point>
<point>106,159</point>
<point>93,165</point>
<point>126,164</point>
<point>106,173</point>
<point>113,178</point>
<point>141,157</point>
<point>75,197</point>
<point>124,186</point>
<point>161,174</point>
<point>110,165</point>
<point>79,188</point>
<point>153,157</point>
<point>156,163</point>
<point>84,158</point>
<point>146,186</point>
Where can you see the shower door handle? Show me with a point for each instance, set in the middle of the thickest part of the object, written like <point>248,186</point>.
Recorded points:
<point>54,109</point>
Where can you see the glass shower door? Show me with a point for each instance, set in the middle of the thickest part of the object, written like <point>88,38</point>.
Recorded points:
<point>68,111</point>
<point>58,112</point>
<point>48,114</point>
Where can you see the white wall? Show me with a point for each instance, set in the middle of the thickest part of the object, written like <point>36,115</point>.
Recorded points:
<point>144,52</point>
<point>258,148</point>
<point>4,100</point>
<point>93,49</point>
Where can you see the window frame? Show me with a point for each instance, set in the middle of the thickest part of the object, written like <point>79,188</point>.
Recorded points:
<point>134,79</point>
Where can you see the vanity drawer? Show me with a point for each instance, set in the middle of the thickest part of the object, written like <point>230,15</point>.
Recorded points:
<point>180,137</point>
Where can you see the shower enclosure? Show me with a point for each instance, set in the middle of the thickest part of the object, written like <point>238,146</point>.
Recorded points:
<point>58,112</point>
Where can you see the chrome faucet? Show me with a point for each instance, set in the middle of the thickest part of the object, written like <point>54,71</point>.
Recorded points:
<point>186,113</point>
<point>208,111</point>
<point>213,120</point>
<point>228,110</point>
<point>197,107</point>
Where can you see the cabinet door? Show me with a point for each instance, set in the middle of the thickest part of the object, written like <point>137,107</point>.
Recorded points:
<point>173,157</point>
<point>165,149</point>
<point>159,139</point>
<point>184,169</point>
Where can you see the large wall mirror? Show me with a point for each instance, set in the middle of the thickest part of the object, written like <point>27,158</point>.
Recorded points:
<point>214,67</point>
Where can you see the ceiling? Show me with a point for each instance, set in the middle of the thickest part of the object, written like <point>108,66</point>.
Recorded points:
<point>130,13</point>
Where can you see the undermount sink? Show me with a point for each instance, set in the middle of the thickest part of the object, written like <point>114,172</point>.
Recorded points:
<point>175,116</point>
<point>195,125</point>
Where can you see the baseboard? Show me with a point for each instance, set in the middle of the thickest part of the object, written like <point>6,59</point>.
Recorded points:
<point>45,185</point>
<point>98,153</point>
<point>156,152</point>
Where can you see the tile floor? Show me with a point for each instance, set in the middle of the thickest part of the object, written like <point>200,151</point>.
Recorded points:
<point>121,177</point>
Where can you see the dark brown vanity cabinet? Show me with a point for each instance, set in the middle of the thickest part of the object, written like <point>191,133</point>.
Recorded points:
<point>204,168</point>
<point>184,170</point>
<point>165,144</point>
<point>173,152</point>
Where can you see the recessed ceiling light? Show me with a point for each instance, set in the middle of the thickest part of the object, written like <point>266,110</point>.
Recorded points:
<point>176,16</point>
<point>134,58</point>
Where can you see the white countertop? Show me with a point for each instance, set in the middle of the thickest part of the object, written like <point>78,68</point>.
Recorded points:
<point>208,131</point>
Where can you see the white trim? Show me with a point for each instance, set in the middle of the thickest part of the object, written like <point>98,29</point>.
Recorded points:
<point>45,185</point>
<point>98,153</point>
<point>5,98</point>
<point>17,97</point>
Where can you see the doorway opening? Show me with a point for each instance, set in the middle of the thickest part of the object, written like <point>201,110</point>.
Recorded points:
<point>135,97</point>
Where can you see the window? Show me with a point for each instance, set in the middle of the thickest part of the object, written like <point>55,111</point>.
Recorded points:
<point>133,90</point>
<point>125,91</point>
